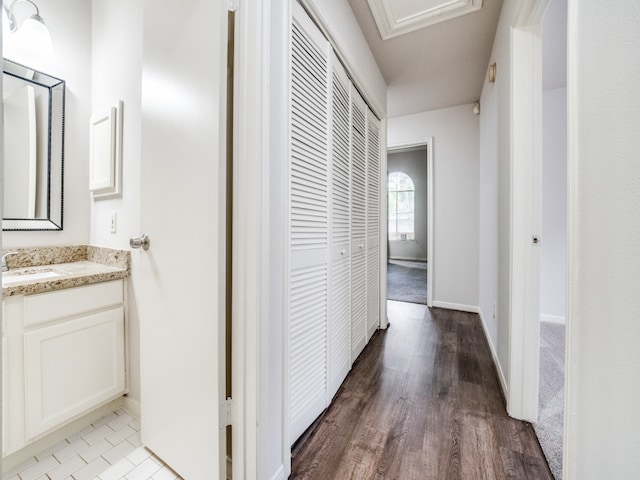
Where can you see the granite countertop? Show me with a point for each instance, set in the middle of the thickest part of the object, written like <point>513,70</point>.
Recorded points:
<point>38,270</point>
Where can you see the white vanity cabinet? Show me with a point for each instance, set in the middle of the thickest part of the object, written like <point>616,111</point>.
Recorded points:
<point>4,388</point>
<point>72,344</point>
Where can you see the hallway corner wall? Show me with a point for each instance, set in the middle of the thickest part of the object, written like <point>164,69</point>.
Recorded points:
<point>116,74</point>
<point>602,433</point>
<point>455,133</point>
<point>495,194</point>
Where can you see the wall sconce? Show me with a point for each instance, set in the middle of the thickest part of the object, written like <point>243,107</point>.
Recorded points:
<point>492,73</point>
<point>476,108</point>
<point>31,35</point>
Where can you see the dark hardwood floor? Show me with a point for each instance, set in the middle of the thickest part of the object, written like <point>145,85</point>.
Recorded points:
<point>421,402</point>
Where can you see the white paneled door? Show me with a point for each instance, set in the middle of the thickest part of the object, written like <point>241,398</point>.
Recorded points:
<point>333,278</point>
<point>373,224</point>
<point>308,226</point>
<point>179,280</point>
<point>339,348</point>
<point>358,224</point>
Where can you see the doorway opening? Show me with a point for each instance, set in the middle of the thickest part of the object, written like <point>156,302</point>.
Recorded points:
<point>553,252</point>
<point>410,223</point>
<point>231,19</point>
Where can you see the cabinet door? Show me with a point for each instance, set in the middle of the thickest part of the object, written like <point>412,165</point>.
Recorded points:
<point>373,224</point>
<point>72,367</point>
<point>308,225</point>
<point>339,347</point>
<point>5,436</point>
<point>358,224</point>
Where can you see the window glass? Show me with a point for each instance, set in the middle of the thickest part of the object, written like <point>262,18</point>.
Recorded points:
<point>401,203</point>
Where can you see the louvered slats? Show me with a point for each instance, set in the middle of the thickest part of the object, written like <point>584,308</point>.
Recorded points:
<point>340,297</point>
<point>358,166</point>
<point>309,174</point>
<point>307,344</point>
<point>373,177</point>
<point>358,225</point>
<point>373,225</point>
<point>309,237</point>
<point>333,247</point>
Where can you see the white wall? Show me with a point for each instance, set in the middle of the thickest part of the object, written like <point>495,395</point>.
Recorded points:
<point>455,175</point>
<point>70,25</point>
<point>345,30</point>
<point>414,164</point>
<point>603,328</point>
<point>495,194</point>
<point>116,74</point>
<point>553,245</point>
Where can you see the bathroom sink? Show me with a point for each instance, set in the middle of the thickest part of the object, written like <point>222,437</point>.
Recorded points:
<point>28,275</point>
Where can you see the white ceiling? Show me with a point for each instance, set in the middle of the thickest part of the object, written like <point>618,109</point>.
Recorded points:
<point>435,67</point>
<point>444,64</point>
<point>397,17</point>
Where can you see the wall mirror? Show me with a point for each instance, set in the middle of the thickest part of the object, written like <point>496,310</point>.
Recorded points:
<point>33,148</point>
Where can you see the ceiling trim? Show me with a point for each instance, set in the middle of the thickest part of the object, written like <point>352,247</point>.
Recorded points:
<point>391,24</point>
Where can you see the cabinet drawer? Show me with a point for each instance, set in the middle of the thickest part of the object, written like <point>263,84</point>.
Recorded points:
<point>47,307</point>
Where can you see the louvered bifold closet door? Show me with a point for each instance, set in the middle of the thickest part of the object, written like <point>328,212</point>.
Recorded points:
<point>373,224</point>
<point>358,224</point>
<point>339,354</point>
<point>309,242</point>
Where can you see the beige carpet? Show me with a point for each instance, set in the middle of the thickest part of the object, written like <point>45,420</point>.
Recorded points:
<point>549,427</point>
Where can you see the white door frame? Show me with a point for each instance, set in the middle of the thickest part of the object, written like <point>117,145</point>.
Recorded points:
<point>526,193</point>
<point>428,143</point>
<point>250,283</point>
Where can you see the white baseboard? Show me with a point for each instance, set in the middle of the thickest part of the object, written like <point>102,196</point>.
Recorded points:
<point>131,405</point>
<point>456,306</point>
<point>279,475</point>
<point>552,319</point>
<point>494,355</point>
<point>408,259</point>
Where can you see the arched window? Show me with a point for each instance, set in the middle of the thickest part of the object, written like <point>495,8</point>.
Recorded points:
<point>401,207</point>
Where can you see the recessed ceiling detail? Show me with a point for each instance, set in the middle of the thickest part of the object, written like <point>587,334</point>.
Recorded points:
<point>397,17</point>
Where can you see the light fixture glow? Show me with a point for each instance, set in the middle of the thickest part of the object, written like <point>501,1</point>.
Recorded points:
<point>5,20</point>
<point>31,36</point>
<point>492,73</point>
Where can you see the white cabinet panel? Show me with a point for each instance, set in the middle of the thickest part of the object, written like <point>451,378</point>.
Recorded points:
<point>5,436</point>
<point>12,374</point>
<point>71,367</point>
<point>47,307</point>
